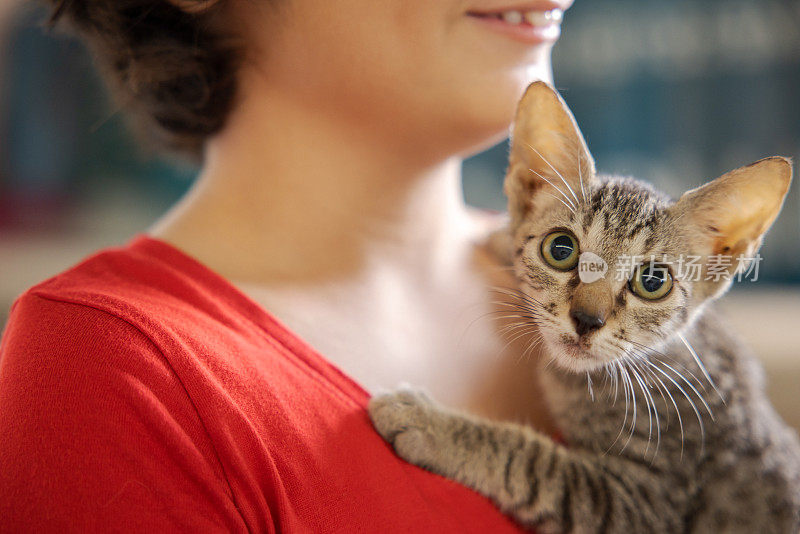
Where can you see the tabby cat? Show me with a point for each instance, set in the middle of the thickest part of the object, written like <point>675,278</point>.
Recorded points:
<point>664,415</point>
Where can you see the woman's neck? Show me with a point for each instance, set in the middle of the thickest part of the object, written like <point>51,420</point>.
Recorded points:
<point>291,194</point>
<point>361,244</point>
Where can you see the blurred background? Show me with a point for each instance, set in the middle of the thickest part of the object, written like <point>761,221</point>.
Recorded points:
<point>674,92</point>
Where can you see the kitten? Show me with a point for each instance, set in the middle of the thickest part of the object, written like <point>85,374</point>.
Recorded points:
<point>682,438</point>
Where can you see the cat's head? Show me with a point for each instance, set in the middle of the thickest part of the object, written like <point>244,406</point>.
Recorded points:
<point>583,244</point>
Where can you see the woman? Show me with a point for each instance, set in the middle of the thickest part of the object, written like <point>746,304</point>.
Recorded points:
<point>170,384</point>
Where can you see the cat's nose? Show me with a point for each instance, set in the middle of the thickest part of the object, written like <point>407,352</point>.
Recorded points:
<point>585,323</point>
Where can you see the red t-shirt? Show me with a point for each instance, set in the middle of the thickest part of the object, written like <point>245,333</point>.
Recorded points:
<point>140,391</point>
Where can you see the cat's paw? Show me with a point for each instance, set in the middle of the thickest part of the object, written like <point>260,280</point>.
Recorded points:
<point>399,411</point>
<point>407,419</point>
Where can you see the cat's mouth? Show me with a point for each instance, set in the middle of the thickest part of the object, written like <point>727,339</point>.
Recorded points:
<point>576,349</point>
<point>576,353</point>
<point>575,343</point>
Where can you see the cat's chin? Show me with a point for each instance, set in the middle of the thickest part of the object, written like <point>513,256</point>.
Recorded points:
<point>575,358</point>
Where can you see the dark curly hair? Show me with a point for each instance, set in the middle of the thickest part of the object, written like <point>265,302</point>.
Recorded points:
<point>165,60</point>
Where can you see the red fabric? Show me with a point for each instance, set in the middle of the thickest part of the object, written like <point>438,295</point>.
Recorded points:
<point>139,390</point>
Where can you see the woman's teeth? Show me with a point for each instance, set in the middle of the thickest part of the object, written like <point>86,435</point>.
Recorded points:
<point>532,18</point>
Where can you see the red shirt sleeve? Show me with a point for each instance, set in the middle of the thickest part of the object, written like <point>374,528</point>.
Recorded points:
<point>97,433</point>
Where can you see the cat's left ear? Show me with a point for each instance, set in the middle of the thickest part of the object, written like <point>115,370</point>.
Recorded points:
<point>730,215</point>
<point>548,152</point>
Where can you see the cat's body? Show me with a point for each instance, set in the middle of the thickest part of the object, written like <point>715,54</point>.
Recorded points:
<point>628,390</point>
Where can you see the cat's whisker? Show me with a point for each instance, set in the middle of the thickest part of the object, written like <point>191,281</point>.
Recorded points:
<point>700,365</point>
<point>516,337</point>
<point>688,399</point>
<point>557,173</point>
<point>656,382</point>
<point>530,317</point>
<point>662,387</point>
<point>523,300</point>
<point>527,310</point>
<point>531,346</point>
<point>589,385</point>
<point>509,292</point>
<point>649,350</point>
<point>572,205</point>
<point>630,400</point>
<point>570,208</point>
<point>514,329</point>
<point>580,174</point>
<point>651,405</point>
<point>521,314</point>
<point>618,367</point>
<point>643,357</point>
<point>674,404</point>
<point>497,316</point>
<point>514,314</point>
<point>524,327</point>
<point>519,301</point>
<point>607,381</point>
<point>513,292</point>
<point>643,389</point>
<point>527,315</point>
<point>616,379</point>
<point>536,336</point>
<point>549,363</point>
<point>519,357</point>
<point>507,330</point>
<point>517,305</point>
<point>662,357</point>
<point>633,402</point>
<point>699,396</point>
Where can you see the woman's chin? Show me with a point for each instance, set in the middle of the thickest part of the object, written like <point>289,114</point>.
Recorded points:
<point>487,109</point>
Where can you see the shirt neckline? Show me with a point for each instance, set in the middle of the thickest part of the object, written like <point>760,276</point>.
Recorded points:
<point>253,311</point>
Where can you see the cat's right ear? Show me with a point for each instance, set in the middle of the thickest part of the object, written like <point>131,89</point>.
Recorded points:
<point>729,216</point>
<point>548,153</point>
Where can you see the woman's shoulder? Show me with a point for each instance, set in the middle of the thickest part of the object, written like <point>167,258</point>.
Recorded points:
<point>139,306</point>
<point>102,318</point>
<point>147,284</point>
<point>93,412</point>
<point>122,279</point>
<point>93,300</point>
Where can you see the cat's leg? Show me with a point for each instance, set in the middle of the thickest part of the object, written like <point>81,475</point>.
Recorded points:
<point>537,481</point>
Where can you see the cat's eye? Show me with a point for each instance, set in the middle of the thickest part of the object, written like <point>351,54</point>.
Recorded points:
<point>651,281</point>
<point>560,250</point>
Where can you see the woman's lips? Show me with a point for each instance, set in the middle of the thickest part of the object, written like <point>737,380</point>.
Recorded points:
<point>531,26</point>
